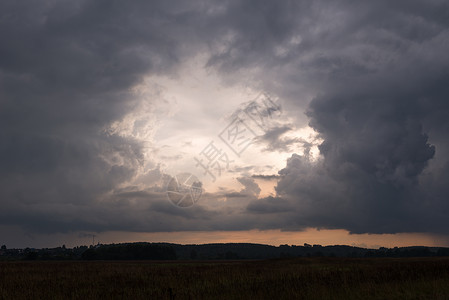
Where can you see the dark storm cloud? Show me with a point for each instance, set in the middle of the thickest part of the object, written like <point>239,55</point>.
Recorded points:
<point>270,205</point>
<point>65,73</point>
<point>274,139</point>
<point>383,114</point>
<point>377,73</point>
<point>250,186</point>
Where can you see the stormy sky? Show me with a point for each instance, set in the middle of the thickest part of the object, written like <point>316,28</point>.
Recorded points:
<point>103,102</point>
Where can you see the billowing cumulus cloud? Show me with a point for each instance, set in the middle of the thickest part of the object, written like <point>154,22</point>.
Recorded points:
<point>79,116</point>
<point>376,114</point>
<point>66,73</point>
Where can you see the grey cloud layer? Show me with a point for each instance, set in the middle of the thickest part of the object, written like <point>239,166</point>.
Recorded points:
<point>377,73</point>
<point>65,73</point>
<point>383,114</point>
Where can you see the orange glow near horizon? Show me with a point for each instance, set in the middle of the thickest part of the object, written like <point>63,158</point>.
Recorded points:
<point>277,237</point>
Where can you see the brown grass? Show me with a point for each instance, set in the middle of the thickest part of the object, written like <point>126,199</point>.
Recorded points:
<point>302,278</point>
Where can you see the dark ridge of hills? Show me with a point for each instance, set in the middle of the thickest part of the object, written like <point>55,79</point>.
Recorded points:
<point>225,251</point>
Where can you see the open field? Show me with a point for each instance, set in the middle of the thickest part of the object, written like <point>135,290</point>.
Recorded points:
<point>300,278</point>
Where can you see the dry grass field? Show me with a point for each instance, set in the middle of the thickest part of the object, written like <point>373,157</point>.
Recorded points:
<point>300,278</point>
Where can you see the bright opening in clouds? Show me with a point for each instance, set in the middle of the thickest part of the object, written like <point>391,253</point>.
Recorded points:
<point>294,116</point>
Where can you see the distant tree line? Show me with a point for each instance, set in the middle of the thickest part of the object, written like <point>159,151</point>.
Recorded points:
<point>230,251</point>
<point>133,251</point>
